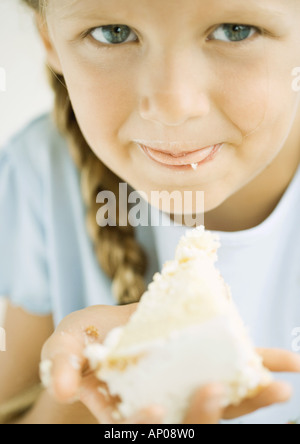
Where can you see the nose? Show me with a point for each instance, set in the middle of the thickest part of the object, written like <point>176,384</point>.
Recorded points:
<point>174,92</point>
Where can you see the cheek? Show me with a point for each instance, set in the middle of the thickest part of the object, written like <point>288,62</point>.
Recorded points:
<point>242,95</point>
<point>253,92</point>
<point>102,103</point>
<point>259,100</point>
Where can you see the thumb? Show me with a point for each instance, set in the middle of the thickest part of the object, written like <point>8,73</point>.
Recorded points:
<point>206,406</point>
<point>66,377</point>
<point>62,366</point>
<point>62,376</point>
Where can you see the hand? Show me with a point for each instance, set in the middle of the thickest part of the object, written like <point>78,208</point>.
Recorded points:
<point>206,404</point>
<point>71,379</point>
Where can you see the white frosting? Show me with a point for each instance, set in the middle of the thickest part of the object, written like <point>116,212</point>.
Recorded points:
<point>185,333</point>
<point>45,372</point>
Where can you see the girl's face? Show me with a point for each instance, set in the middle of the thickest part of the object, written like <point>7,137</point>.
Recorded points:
<point>181,75</point>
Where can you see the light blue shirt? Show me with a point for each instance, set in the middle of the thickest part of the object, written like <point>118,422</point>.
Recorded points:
<point>47,261</point>
<point>48,265</point>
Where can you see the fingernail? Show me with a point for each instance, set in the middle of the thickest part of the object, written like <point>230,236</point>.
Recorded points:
<point>217,390</point>
<point>158,411</point>
<point>215,402</point>
<point>216,398</point>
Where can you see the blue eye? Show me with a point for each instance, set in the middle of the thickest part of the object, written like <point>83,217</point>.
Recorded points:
<point>113,34</point>
<point>233,33</point>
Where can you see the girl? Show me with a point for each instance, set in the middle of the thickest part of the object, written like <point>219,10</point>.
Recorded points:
<point>165,96</point>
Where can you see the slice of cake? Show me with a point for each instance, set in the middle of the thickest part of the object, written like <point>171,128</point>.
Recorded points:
<point>185,333</point>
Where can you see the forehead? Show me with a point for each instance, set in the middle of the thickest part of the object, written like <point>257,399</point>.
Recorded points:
<point>81,8</point>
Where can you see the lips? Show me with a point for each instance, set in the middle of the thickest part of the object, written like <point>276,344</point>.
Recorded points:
<point>182,159</point>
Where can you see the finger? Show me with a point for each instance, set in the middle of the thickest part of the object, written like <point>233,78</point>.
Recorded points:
<point>151,415</point>
<point>277,360</point>
<point>63,353</point>
<point>206,406</point>
<point>66,377</point>
<point>275,393</point>
<point>95,396</point>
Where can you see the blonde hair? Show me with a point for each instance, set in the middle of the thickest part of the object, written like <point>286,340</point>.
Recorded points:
<point>119,255</point>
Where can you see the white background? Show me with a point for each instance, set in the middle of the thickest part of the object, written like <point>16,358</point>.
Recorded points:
<point>22,57</point>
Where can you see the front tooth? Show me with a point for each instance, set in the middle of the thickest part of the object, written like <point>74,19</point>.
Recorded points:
<point>194,166</point>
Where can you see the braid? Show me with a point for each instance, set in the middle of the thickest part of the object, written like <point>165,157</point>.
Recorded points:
<point>118,253</point>
<point>116,248</point>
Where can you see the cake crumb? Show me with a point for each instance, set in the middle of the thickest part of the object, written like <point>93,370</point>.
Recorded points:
<point>92,332</point>
<point>104,392</point>
<point>116,415</point>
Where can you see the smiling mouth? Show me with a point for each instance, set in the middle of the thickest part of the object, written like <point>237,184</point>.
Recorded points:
<point>190,159</point>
